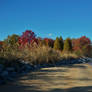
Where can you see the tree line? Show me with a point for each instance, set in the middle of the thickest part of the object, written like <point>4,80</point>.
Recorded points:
<point>80,46</point>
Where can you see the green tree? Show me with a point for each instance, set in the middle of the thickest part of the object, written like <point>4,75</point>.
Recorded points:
<point>68,45</point>
<point>11,42</point>
<point>57,45</point>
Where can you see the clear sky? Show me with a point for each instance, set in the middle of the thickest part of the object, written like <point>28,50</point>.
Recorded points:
<point>47,18</point>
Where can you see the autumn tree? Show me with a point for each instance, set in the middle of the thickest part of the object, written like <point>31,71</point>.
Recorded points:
<point>28,37</point>
<point>11,42</point>
<point>41,42</point>
<point>82,46</point>
<point>1,45</point>
<point>68,45</point>
<point>48,42</point>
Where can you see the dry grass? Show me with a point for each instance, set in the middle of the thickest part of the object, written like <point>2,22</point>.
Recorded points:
<point>37,55</point>
<point>68,55</point>
<point>41,55</point>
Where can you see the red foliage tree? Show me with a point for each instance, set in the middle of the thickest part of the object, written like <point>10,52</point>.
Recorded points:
<point>49,42</point>
<point>27,38</point>
<point>83,45</point>
<point>1,45</point>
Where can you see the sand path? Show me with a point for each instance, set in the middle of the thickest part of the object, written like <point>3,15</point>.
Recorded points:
<point>76,78</point>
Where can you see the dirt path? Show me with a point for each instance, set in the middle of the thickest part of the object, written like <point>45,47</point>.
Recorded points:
<point>76,78</point>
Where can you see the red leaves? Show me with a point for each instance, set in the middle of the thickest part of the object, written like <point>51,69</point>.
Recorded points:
<point>49,42</point>
<point>27,38</point>
<point>1,43</point>
<point>82,44</point>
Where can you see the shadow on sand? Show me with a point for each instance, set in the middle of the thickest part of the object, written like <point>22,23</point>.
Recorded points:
<point>17,88</point>
<point>74,89</point>
<point>50,78</point>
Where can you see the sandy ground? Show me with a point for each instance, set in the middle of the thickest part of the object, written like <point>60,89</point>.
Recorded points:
<point>75,78</point>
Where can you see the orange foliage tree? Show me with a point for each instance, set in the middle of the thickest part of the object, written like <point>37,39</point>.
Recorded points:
<point>82,46</point>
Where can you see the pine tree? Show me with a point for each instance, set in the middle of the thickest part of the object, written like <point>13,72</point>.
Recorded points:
<point>68,45</point>
<point>57,45</point>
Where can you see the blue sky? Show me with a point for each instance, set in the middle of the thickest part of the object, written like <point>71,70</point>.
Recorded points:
<point>47,18</point>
